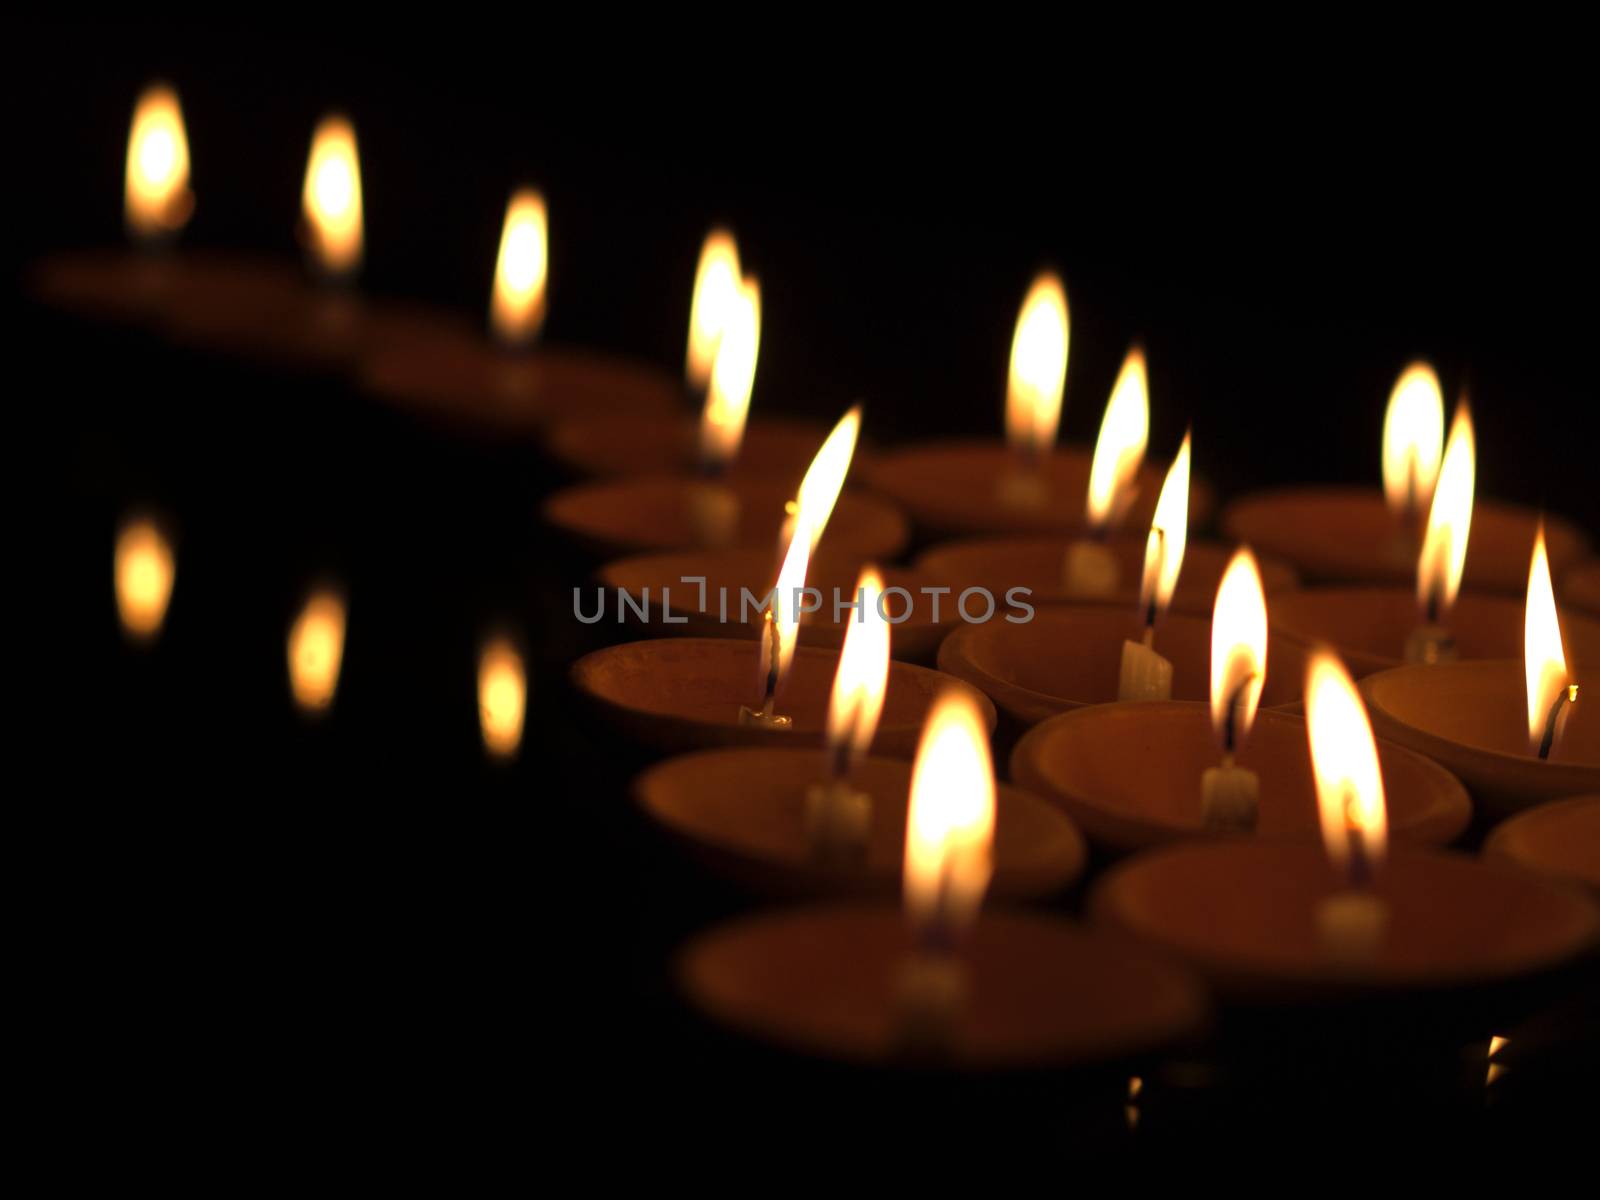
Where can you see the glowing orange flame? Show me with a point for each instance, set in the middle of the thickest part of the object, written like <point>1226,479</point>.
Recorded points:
<point>1344,759</point>
<point>733,374</point>
<point>502,698</point>
<point>142,568</point>
<point>331,199</point>
<point>1544,660</point>
<point>516,308</point>
<point>1413,439</point>
<point>950,825</point>
<point>1238,648</point>
<point>1169,535</point>
<point>316,651</point>
<point>1444,548</point>
<point>863,675</point>
<point>1119,451</point>
<point>156,196</point>
<point>1038,374</point>
<point>717,284</point>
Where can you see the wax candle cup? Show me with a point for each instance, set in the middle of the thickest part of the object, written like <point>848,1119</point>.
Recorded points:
<point>1144,674</point>
<point>1559,839</point>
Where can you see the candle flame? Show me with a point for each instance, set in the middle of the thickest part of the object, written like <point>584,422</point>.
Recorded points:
<point>1169,534</point>
<point>316,651</point>
<point>1344,760</point>
<point>516,308</point>
<point>733,374</point>
<point>1119,452</point>
<point>950,824</point>
<point>502,698</point>
<point>331,200</point>
<point>863,675</point>
<point>156,196</point>
<point>1444,548</point>
<point>717,283</point>
<point>1544,660</point>
<point>1238,649</point>
<point>142,569</point>
<point>1413,439</point>
<point>1038,367</point>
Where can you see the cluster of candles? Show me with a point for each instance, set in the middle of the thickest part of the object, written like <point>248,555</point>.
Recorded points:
<point>1186,708</point>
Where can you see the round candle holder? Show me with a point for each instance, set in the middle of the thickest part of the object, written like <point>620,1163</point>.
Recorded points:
<point>1041,992</point>
<point>634,516</point>
<point>1129,775</point>
<point>960,487</point>
<point>1369,626</point>
<point>1348,535</point>
<point>668,443</point>
<point>464,378</point>
<point>1038,564</point>
<point>1580,588</point>
<point>743,814</point>
<point>1242,913</point>
<point>1069,656</point>
<point>714,608</point>
<point>1472,719</point>
<point>1559,840</point>
<point>676,694</point>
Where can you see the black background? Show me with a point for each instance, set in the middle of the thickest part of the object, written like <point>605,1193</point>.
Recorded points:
<point>363,917</point>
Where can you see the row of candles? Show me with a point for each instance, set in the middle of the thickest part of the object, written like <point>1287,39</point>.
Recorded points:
<point>760,707</point>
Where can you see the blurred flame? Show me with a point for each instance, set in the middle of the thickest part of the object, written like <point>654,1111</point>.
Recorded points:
<point>516,308</point>
<point>331,199</point>
<point>733,374</point>
<point>502,698</point>
<point>1038,367</point>
<point>1344,759</point>
<point>717,283</point>
<point>1413,439</point>
<point>950,825</point>
<point>316,650</point>
<point>863,675</point>
<point>1543,659</point>
<point>1119,451</point>
<point>142,569</point>
<point>1444,548</point>
<point>1238,647</point>
<point>1169,534</point>
<point>156,197</point>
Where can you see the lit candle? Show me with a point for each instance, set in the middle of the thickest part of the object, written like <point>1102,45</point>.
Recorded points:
<point>1035,385</point>
<point>316,651</point>
<point>838,816</point>
<point>157,202</point>
<point>1444,546</point>
<point>1144,674</point>
<point>502,698</point>
<point>1230,794</point>
<point>521,272</point>
<point>330,201</point>
<point>1550,687</point>
<point>1091,568</point>
<point>714,509</point>
<point>1413,445</point>
<point>142,569</point>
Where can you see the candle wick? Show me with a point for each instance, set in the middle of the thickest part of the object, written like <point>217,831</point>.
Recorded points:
<point>1359,869</point>
<point>1568,694</point>
<point>770,635</point>
<point>1230,720</point>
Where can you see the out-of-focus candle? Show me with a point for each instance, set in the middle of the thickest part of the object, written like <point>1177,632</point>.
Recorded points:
<point>1413,441</point>
<point>142,568</point>
<point>1144,674</point>
<point>717,286</point>
<point>1091,569</point>
<point>516,303</point>
<point>502,698</point>
<point>1230,794</point>
<point>714,509</point>
<point>1035,384</point>
<point>316,651</point>
<point>157,201</point>
<point>331,200</point>
<point>1444,546</point>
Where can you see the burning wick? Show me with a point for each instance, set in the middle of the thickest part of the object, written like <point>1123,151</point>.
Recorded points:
<point>764,716</point>
<point>1567,695</point>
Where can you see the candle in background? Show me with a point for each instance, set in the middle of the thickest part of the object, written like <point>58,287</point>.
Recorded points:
<point>1444,546</point>
<point>316,651</point>
<point>142,570</point>
<point>1144,674</point>
<point>157,202</point>
<point>1550,689</point>
<point>521,271</point>
<point>1344,758</point>
<point>717,287</point>
<point>714,509</point>
<point>1229,794</point>
<point>1035,384</point>
<point>948,864</point>
<point>838,816</point>
<point>1413,445</point>
<point>1091,569</point>
<point>502,698</point>
<point>331,226</point>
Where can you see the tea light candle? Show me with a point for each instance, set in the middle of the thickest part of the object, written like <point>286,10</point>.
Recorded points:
<point>1127,776</point>
<point>1444,546</point>
<point>1229,793</point>
<point>1092,570</point>
<point>940,987</point>
<point>1559,839</point>
<point>1145,675</point>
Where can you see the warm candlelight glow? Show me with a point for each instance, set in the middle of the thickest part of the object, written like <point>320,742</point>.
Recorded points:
<point>863,675</point>
<point>156,196</point>
<point>502,698</point>
<point>1413,439</point>
<point>950,825</point>
<point>1344,759</point>
<point>1544,660</point>
<point>824,478</point>
<point>1444,549</point>
<point>733,374</point>
<point>316,650</point>
<point>716,291</point>
<point>1038,368</point>
<point>516,310</point>
<point>1119,451</point>
<point>1238,649</point>
<point>1169,534</point>
<point>331,200</point>
<point>142,569</point>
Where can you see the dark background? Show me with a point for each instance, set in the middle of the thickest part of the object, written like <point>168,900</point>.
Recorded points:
<point>362,903</point>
